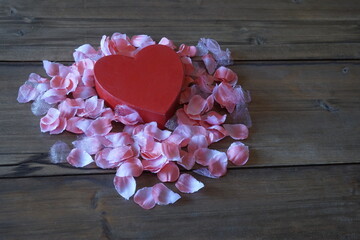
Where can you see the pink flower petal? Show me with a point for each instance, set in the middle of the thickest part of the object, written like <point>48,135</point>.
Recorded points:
<point>183,118</point>
<point>210,63</point>
<point>204,172</point>
<point>171,151</point>
<point>74,123</point>
<point>127,115</point>
<point>226,96</point>
<point>187,160</point>
<point>88,78</point>
<point>61,127</point>
<point>204,83</point>
<point>51,68</point>
<point>204,156</point>
<point>188,184</point>
<point>141,41</point>
<point>188,66</point>
<point>154,165</point>
<point>196,105</point>
<point>214,118</point>
<point>237,131</point>
<point>238,153</point>
<point>181,135</point>
<point>151,129</point>
<point>227,75</point>
<point>27,92</point>
<point>79,158</point>
<point>125,186</point>
<point>91,145</point>
<point>119,154</point>
<point>169,173</point>
<point>216,133</point>
<point>118,139</point>
<point>163,195</point>
<point>84,92</point>
<point>54,95</point>
<point>189,51</point>
<point>144,198</point>
<point>102,161</point>
<point>196,142</point>
<point>130,167</point>
<point>99,127</point>
<point>166,42</point>
<point>218,164</point>
<point>50,121</point>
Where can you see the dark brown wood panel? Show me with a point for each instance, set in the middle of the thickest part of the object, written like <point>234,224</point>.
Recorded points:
<point>265,203</point>
<point>303,113</point>
<point>252,30</point>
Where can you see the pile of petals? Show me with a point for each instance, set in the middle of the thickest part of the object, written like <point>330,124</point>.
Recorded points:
<point>67,101</point>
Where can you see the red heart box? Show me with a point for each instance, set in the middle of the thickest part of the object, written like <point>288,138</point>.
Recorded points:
<point>150,82</point>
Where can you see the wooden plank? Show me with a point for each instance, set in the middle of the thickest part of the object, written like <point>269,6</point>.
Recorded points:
<point>265,203</point>
<point>303,113</point>
<point>252,30</point>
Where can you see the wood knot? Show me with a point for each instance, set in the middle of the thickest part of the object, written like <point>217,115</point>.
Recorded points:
<point>345,70</point>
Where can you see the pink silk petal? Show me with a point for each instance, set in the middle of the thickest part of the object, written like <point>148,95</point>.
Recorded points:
<point>237,131</point>
<point>204,156</point>
<point>102,161</point>
<point>183,118</point>
<point>99,127</point>
<point>188,66</point>
<point>214,118</point>
<point>188,184</point>
<point>151,129</point>
<point>61,127</point>
<point>238,153</point>
<point>125,186</point>
<point>141,41</point>
<point>187,160</point>
<point>74,123</point>
<point>210,63</point>
<point>196,142</point>
<point>119,154</point>
<point>166,42</point>
<point>127,115</point>
<point>218,164</point>
<point>227,75</point>
<point>204,82</point>
<point>54,95</point>
<point>118,139</point>
<point>130,167</point>
<point>84,92</point>
<point>144,198</point>
<point>196,105</point>
<point>189,51</point>
<point>91,145</point>
<point>171,151</point>
<point>27,92</point>
<point>154,165</point>
<point>88,78</point>
<point>51,68</point>
<point>169,173</point>
<point>50,121</point>
<point>79,158</point>
<point>204,172</point>
<point>226,96</point>
<point>163,195</point>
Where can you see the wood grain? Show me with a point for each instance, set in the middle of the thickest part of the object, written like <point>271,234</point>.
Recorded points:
<point>303,113</point>
<point>266,203</point>
<point>260,30</point>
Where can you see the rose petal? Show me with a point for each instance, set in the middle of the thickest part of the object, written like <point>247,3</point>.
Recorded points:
<point>125,186</point>
<point>27,92</point>
<point>210,63</point>
<point>218,164</point>
<point>130,167</point>
<point>102,161</point>
<point>169,173</point>
<point>227,75</point>
<point>84,92</point>
<point>144,198</point>
<point>50,121</point>
<point>79,158</point>
<point>196,105</point>
<point>118,139</point>
<point>119,154</point>
<point>189,51</point>
<point>52,96</point>
<point>61,126</point>
<point>154,165</point>
<point>163,195</point>
<point>89,144</point>
<point>196,142</point>
<point>99,127</point>
<point>171,151</point>
<point>237,131</point>
<point>238,153</point>
<point>214,118</point>
<point>187,160</point>
<point>127,115</point>
<point>204,172</point>
<point>142,41</point>
<point>166,42</point>
<point>151,129</point>
<point>51,68</point>
<point>188,184</point>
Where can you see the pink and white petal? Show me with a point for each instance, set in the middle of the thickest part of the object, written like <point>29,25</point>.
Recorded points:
<point>216,133</point>
<point>84,92</point>
<point>204,156</point>
<point>218,164</point>
<point>187,160</point>
<point>125,186</point>
<point>91,145</point>
<point>210,63</point>
<point>196,105</point>
<point>119,154</point>
<point>204,172</point>
<point>171,151</point>
<point>237,131</point>
<point>238,153</point>
<point>141,41</point>
<point>61,127</point>
<point>27,92</point>
<point>188,66</point>
<point>99,127</point>
<point>183,118</point>
<point>51,68</point>
<point>189,51</point>
<point>71,125</point>
<point>151,129</point>
<point>58,82</point>
<point>154,165</point>
<point>169,172</point>
<point>52,96</point>
<point>166,42</point>
<point>88,78</point>
<point>127,115</point>
<point>144,198</point>
<point>225,95</point>
<point>118,139</point>
<point>163,195</point>
<point>227,75</point>
<point>196,142</point>
<point>102,162</point>
<point>214,118</point>
<point>79,158</point>
<point>50,121</point>
<point>130,167</point>
<point>181,135</point>
<point>188,184</point>
<point>151,153</point>
<point>108,113</point>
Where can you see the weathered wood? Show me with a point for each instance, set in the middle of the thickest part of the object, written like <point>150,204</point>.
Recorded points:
<point>266,203</point>
<point>303,113</point>
<point>252,30</point>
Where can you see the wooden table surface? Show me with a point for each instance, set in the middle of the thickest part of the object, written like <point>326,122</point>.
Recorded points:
<point>299,58</point>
